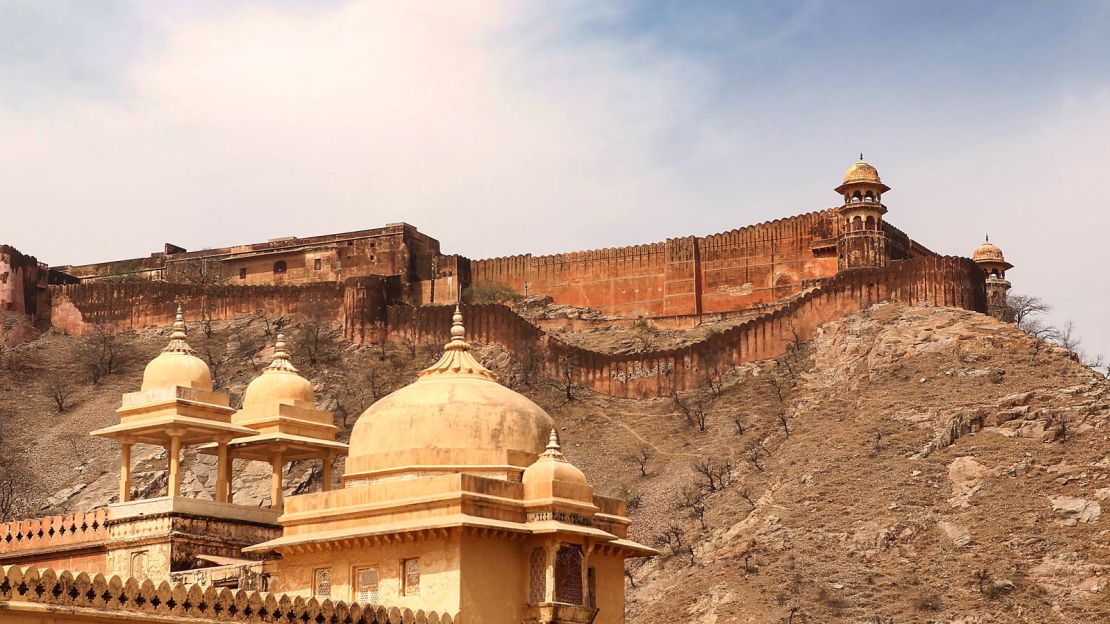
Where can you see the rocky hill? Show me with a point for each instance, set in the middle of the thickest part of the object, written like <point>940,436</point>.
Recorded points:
<point>909,464</point>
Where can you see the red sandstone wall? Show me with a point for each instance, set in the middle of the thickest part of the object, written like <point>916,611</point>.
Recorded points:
<point>943,281</point>
<point>728,271</point>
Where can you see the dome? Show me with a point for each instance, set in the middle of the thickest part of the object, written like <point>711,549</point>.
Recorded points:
<point>862,171</point>
<point>455,417</point>
<point>279,383</point>
<point>987,252</point>
<point>177,364</point>
<point>552,466</point>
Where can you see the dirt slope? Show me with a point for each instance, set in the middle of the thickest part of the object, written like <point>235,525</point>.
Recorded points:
<point>940,467</point>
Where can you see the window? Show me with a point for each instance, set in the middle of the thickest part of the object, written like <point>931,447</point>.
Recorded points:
<point>366,586</point>
<point>322,582</point>
<point>316,264</point>
<point>537,574</point>
<point>280,267</point>
<point>410,577</point>
<point>242,272</point>
<point>568,574</point>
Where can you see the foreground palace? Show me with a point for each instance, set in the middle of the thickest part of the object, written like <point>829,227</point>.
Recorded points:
<point>456,503</point>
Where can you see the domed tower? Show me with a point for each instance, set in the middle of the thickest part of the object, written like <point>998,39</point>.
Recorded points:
<point>989,258</point>
<point>862,241</point>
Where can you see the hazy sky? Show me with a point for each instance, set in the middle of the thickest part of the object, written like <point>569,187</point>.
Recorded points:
<point>510,127</point>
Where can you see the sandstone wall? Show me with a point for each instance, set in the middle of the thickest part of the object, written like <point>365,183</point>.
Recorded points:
<point>22,283</point>
<point>75,541</point>
<point>691,275</point>
<point>942,281</point>
<point>77,308</point>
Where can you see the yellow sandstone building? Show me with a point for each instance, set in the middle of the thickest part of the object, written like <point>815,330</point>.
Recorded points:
<point>456,505</point>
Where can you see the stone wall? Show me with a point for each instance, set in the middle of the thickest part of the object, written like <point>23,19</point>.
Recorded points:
<point>78,308</point>
<point>22,283</point>
<point>942,281</point>
<point>32,596</point>
<point>691,275</point>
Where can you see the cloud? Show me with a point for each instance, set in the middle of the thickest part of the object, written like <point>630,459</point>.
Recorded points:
<point>510,127</point>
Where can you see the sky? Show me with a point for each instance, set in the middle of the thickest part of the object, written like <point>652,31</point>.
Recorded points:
<point>514,127</point>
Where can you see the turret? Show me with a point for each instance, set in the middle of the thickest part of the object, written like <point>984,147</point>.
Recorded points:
<point>989,258</point>
<point>862,241</point>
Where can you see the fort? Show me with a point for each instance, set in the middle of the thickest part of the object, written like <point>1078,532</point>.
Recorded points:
<point>785,277</point>
<point>456,502</point>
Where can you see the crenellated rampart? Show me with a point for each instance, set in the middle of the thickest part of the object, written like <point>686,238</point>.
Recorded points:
<point>37,534</point>
<point>23,281</point>
<point>942,281</point>
<point>27,593</point>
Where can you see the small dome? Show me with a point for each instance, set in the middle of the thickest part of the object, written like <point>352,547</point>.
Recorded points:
<point>552,466</point>
<point>279,383</point>
<point>987,252</point>
<point>455,417</point>
<point>862,171</point>
<point>177,364</point>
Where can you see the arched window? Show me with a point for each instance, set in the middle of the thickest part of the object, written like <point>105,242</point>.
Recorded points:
<point>280,267</point>
<point>868,197</point>
<point>855,197</point>
<point>568,574</point>
<point>537,576</point>
<point>870,223</point>
<point>857,224</point>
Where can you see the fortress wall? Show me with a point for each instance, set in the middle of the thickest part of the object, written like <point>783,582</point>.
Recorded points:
<point>681,276</point>
<point>942,281</point>
<point>77,308</point>
<point>22,283</point>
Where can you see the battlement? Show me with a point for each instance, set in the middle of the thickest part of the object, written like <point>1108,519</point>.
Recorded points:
<point>51,532</point>
<point>26,593</point>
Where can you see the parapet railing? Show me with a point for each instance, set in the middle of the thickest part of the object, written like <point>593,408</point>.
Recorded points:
<point>199,605</point>
<point>52,531</point>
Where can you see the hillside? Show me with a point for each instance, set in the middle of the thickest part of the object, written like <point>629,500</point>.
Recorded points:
<point>909,464</point>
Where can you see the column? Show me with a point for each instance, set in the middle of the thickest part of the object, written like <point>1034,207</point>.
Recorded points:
<point>276,462</point>
<point>125,472</point>
<point>223,471</point>
<point>174,487</point>
<point>325,473</point>
<point>551,549</point>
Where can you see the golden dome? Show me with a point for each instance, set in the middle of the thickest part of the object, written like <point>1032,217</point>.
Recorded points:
<point>455,417</point>
<point>177,364</point>
<point>862,171</point>
<point>987,252</point>
<point>279,383</point>
<point>553,466</point>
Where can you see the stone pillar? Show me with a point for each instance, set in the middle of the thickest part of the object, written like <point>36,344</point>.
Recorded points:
<point>325,473</point>
<point>997,290</point>
<point>174,482</point>
<point>223,472</point>
<point>276,463</point>
<point>587,554</point>
<point>549,587</point>
<point>125,472</point>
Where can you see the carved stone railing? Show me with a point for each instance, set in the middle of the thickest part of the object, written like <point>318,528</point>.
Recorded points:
<point>54,531</point>
<point>190,603</point>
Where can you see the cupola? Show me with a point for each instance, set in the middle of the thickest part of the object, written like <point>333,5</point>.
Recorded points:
<point>177,365</point>
<point>455,418</point>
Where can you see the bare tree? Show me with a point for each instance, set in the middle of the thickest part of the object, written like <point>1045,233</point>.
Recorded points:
<point>714,381</point>
<point>531,359</point>
<point>102,352</point>
<point>753,458</point>
<point>747,496</point>
<point>715,475</point>
<point>782,418</point>
<point>693,409</point>
<point>641,458</point>
<point>738,420</point>
<point>198,272</point>
<point>692,501</point>
<point>1068,338</point>
<point>315,337</point>
<point>567,365</point>
<point>60,389</point>
<point>1023,307</point>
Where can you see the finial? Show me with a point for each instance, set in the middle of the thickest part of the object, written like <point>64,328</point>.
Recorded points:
<point>553,448</point>
<point>988,238</point>
<point>281,356</point>
<point>458,331</point>
<point>180,333</point>
<point>861,156</point>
